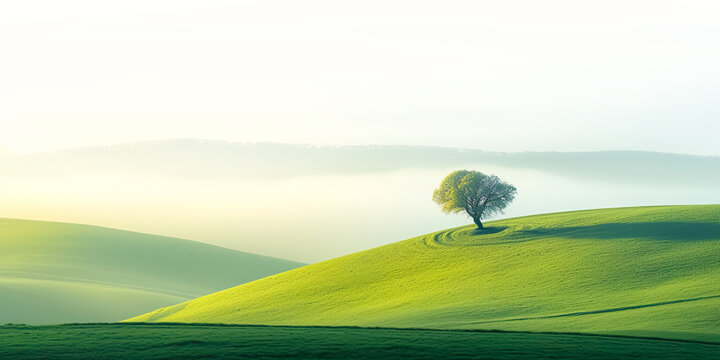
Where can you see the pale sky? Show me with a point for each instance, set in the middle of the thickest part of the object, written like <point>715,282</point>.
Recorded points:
<point>494,75</point>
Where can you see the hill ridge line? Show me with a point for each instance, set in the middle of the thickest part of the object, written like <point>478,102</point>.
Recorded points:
<point>45,277</point>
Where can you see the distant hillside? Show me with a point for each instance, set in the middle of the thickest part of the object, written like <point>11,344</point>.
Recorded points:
<point>56,272</point>
<point>230,160</point>
<point>650,271</point>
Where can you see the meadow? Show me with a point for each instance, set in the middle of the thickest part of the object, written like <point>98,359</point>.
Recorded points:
<point>620,283</point>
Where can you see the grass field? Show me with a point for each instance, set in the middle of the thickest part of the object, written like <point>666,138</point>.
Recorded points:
<point>164,341</point>
<point>646,271</point>
<point>56,272</point>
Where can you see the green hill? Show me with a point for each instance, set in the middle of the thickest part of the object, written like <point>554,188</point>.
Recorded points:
<point>56,272</point>
<point>650,271</point>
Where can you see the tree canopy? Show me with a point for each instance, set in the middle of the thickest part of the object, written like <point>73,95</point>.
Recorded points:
<point>474,193</point>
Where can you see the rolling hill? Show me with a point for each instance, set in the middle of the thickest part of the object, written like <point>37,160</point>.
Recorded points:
<point>642,271</point>
<point>58,272</point>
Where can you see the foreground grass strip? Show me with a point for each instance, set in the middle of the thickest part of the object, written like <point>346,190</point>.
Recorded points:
<point>156,341</point>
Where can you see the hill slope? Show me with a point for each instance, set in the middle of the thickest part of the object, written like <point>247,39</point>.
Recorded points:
<point>56,272</point>
<point>649,271</point>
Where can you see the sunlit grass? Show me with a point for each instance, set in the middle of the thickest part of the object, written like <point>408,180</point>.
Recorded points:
<point>643,271</point>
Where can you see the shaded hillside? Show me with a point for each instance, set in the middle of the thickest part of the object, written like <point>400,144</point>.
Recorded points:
<point>57,272</point>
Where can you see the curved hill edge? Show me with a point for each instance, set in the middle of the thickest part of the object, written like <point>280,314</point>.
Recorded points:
<point>133,232</point>
<point>582,261</point>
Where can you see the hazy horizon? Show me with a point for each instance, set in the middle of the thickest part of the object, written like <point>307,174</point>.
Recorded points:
<point>81,78</point>
<point>310,204</point>
<point>10,152</point>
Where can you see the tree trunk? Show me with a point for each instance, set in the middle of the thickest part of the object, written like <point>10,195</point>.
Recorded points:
<point>478,223</point>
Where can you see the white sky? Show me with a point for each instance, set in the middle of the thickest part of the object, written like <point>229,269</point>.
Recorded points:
<point>495,75</point>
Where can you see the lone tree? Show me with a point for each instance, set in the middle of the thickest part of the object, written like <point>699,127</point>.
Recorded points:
<point>478,195</point>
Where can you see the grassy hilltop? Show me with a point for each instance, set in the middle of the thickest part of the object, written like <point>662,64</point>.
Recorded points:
<point>57,272</point>
<point>644,271</point>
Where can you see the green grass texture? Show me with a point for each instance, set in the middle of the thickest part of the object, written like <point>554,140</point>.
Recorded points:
<point>58,272</point>
<point>165,341</point>
<point>641,271</point>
